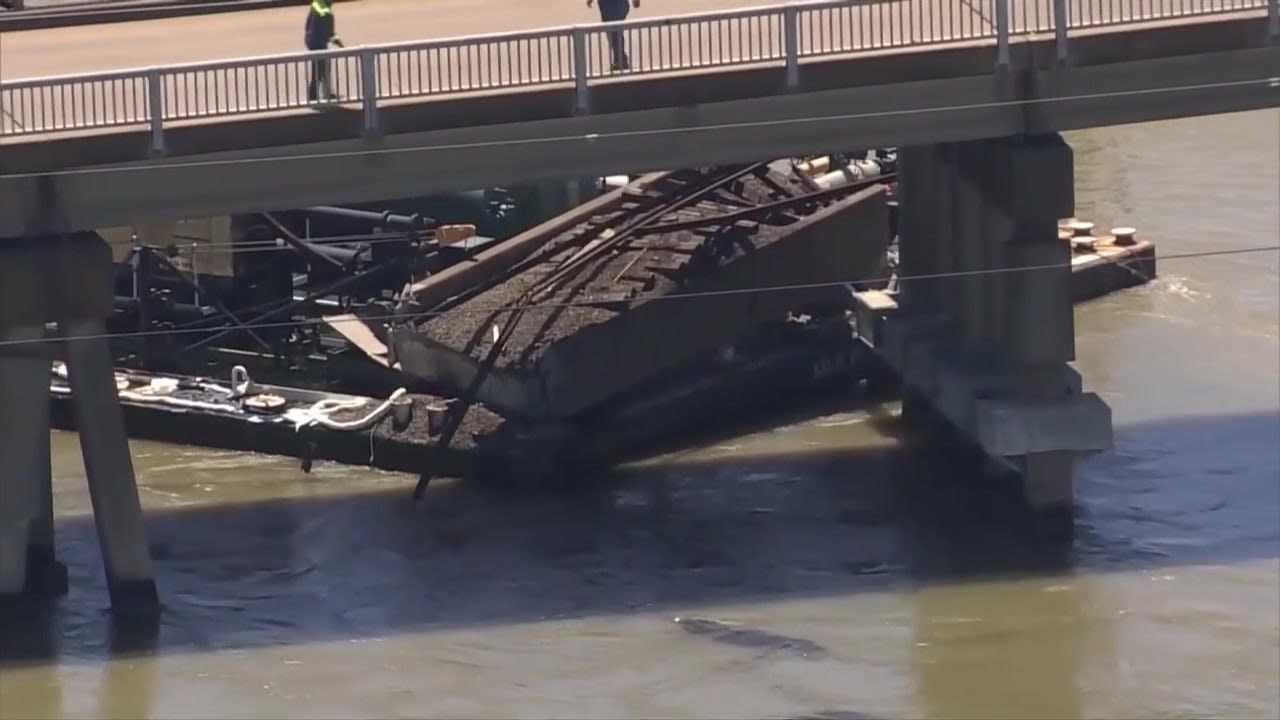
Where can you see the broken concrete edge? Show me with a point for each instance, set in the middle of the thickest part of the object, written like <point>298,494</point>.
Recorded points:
<point>48,19</point>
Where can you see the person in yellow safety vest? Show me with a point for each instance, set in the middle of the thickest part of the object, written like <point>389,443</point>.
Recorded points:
<point>320,34</point>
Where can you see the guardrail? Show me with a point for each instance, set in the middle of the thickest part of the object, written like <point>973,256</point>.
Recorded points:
<point>576,56</point>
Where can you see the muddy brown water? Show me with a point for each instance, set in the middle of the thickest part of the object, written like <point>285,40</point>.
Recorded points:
<point>804,585</point>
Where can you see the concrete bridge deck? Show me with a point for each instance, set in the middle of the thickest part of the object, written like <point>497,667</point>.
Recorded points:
<point>708,90</point>
<point>66,51</point>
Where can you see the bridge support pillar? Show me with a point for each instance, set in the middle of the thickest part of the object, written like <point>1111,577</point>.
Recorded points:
<point>66,282</point>
<point>986,328</point>
<point>29,566</point>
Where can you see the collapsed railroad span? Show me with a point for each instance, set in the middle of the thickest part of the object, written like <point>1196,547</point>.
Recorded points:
<point>691,261</point>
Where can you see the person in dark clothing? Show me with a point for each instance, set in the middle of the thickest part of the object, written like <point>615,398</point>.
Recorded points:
<point>615,11</point>
<point>320,34</point>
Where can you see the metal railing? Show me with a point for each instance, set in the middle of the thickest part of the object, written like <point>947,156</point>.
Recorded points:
<point>576,56</point>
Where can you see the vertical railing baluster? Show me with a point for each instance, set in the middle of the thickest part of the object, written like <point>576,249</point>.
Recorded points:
<point>369,90</point>
<point>155,108</point>
<point>791,44</point>
<point>580,68</point>
<point>1002,33</point>
<point>1060,28</point>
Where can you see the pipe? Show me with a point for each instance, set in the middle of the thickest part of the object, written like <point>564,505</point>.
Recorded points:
<point>385,219</point>
<point>301,245</point>
<point>336,253</point>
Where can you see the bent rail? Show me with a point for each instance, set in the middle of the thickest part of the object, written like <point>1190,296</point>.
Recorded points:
<point>576,56</point>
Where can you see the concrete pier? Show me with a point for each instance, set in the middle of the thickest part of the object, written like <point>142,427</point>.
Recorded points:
<point>63,282</point>
<point>21,376</point>
<point>26,488</point>
<point>986,330</point>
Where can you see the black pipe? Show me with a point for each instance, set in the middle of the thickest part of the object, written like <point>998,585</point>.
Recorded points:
<point>301,245</point>
<point>337,253</point>
<point>384,219</point>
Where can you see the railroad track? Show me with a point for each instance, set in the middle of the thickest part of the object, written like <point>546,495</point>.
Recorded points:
<point>661,236</point>
<point>689,222</point>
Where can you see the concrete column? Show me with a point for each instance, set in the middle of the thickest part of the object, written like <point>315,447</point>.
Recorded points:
<point>45,574</point>
<point>79,281</point>
<point>24,429</point>
<point>20,323</point>
<point>926,250</point>
<point>1035,184</point>
<point>108,467</point>
<point>986,209</point>
<point>67,280</point>
<point>974,251</point>
<point>921,180</point>
<point>17,507</point>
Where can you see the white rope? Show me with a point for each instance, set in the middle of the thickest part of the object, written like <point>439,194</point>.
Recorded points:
<point>320,412</point>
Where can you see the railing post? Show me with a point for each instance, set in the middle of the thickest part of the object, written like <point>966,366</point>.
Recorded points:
<point>369,90</point>
<point>155,110</point>
<point>1060,23</point>
<point>1002,33</point>
<point>791,44</point>
<point>581,69</point>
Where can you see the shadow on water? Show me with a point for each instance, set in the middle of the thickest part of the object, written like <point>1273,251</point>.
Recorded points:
<point>670,538</point>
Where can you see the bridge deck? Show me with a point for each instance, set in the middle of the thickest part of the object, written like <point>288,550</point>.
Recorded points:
<point>64,51</point>
<point>863,26</point>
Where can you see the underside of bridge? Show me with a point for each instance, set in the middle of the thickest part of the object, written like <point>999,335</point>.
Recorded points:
<point>985,330</point>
